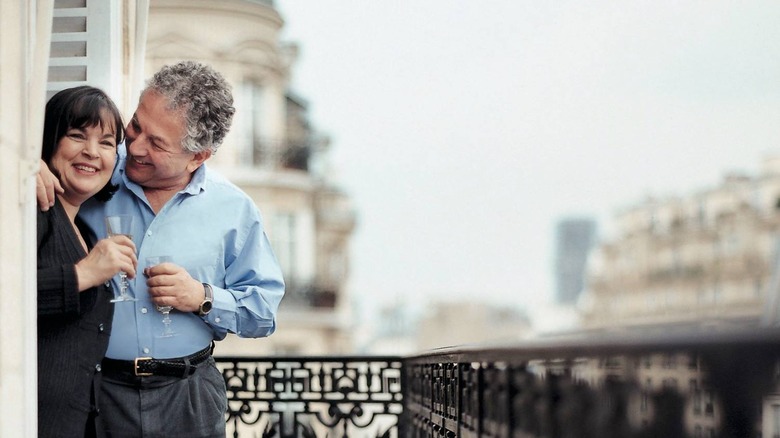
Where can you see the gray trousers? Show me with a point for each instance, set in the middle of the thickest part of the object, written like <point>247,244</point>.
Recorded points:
<point>158,406</point>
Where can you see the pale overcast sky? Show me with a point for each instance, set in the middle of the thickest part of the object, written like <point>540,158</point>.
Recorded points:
<point>464,130</point>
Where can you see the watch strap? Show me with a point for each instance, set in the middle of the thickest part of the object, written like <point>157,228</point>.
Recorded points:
<point>205,306</point>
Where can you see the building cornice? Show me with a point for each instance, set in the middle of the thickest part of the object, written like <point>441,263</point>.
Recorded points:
<point>248,10</point>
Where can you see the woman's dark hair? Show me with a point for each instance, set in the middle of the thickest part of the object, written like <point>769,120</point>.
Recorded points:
<point>79,107</point>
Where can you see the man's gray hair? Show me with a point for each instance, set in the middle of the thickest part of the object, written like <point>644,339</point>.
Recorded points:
<point>204,98</point>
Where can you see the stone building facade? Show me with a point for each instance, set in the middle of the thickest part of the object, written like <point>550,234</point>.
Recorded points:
<point>701,260</point>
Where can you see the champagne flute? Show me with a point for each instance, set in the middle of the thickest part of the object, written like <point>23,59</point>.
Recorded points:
<point>115,226</point>
<point>165,310</point>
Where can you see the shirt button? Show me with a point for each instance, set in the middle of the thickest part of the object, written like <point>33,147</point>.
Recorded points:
<point>146,350</point>
<point>101,328</point>
<point>143,310</point>
<point>98,368</point>
<point>149,233</point>
<point>217,319</point>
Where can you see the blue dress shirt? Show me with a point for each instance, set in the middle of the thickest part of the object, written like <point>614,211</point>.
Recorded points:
<point>213,230</point>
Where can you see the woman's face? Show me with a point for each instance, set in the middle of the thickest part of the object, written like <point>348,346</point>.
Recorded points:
<point>85,160</point>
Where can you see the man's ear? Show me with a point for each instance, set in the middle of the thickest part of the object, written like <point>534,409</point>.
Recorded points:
<point>198,159</point>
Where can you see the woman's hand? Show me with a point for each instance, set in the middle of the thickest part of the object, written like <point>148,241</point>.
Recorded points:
<point>109,256</point>
<point>46,187</point>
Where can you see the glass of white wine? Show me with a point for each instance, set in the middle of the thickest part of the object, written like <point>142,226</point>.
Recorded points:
<point>165,310</point>
<point>121,224</point>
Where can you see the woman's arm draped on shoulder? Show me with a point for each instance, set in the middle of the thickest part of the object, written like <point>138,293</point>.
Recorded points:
<point>46,187</point>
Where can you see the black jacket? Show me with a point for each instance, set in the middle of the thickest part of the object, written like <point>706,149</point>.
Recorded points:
<point>73,328</point>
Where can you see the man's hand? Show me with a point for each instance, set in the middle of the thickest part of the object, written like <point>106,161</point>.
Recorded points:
<point>46,187</point>
<point>171,285</point>
<point>109,256</point>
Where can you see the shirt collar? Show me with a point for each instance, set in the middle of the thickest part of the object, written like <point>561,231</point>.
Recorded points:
<point>198,182</point>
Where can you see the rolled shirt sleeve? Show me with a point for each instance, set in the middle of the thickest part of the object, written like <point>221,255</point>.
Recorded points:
<point>248,302</point>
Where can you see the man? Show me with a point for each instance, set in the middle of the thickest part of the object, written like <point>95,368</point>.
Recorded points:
<point>223,276</point>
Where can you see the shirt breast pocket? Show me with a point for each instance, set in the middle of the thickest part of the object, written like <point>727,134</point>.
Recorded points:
<point>201,266</point>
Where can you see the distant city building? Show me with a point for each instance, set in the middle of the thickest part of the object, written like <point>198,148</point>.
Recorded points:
<point>574,239</point>
<point>464,322</point>
<point>701,260</point>
<point>402,329</point>
<point>392,331</point>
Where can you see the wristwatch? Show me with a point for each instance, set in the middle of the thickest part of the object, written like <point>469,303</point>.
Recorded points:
<point>208,301</point>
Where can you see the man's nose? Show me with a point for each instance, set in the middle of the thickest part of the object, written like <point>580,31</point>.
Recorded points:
<point>137,145</point>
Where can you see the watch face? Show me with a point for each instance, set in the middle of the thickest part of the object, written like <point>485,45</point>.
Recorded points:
<point>205,307</point>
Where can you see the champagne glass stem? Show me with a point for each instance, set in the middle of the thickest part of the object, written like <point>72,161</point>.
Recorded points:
<point>165,310</point>
<point>121,225</point>
<point>123,287</point>
<point>167,321</point>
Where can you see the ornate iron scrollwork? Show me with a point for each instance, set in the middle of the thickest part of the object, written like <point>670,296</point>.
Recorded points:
<point>313,397</point>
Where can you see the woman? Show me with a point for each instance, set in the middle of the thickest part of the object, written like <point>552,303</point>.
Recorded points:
<point>82,128</point>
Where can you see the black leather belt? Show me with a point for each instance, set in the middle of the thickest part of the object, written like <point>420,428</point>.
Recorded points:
<point>147,366</point>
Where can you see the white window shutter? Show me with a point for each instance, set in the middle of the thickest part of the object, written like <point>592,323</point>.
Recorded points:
<point>86,46</point>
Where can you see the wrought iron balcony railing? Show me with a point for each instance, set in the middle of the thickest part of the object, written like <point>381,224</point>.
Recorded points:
<point>712,385</point>
<point>313,396</point>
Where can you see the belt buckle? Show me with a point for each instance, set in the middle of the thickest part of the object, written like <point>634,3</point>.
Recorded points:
<point>135,367</point>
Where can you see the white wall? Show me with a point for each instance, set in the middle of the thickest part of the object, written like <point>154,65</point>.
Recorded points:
<point>24,49</point>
